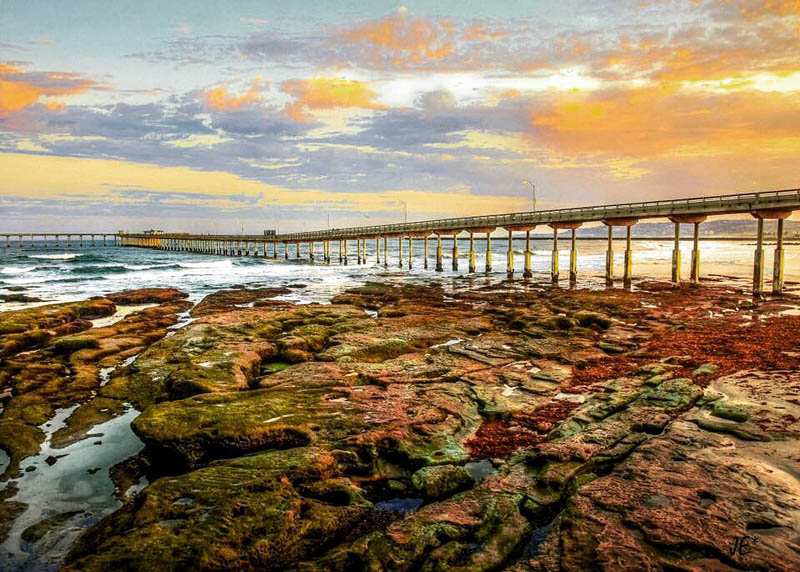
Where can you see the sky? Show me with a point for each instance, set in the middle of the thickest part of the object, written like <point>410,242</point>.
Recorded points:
<point>291,115</point>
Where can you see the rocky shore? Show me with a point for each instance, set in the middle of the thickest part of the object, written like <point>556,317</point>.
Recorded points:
<point>412,427</point>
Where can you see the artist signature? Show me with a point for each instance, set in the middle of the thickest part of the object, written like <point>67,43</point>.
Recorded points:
<point>743,544</point>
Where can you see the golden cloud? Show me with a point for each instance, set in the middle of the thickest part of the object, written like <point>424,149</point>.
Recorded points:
<point>328,93</point>
<point>20,89</point>
<point>220,99</point>
<point>666,119</point>
<point>77,179</point>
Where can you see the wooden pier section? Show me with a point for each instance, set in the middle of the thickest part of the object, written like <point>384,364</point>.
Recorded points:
<point>336,243</point>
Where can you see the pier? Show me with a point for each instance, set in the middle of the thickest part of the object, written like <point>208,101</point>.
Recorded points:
<point>372,242</point>
<point>59,239</point>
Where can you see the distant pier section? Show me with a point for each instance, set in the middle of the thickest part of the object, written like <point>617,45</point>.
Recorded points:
<point>371,243</point>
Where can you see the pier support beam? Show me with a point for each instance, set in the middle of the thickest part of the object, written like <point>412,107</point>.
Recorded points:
<point>455,251</point>
<point>627,273</point>
<point>694,274</point>
<point>777,266</point>
<point>758,262</point>
<point>425,251</point>
<point>610,257</point>
<point>344,246</point>
<point>554,269</point>
<point>488,267</point>
<point>472,265</point>
<point>510,255</point>
<point>573,252</point>
<point>439,265</point>
<point>400,251</point>
<point>386,252</point>
<point>377,250</point>
<point>573,258</point>
<point>527,271</point>
<point>410,251</point>
<point>627,276</point>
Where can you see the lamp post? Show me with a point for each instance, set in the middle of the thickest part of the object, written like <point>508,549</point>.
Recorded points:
<point>533,192</point>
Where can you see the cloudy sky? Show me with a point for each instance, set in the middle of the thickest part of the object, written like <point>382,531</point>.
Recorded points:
<point>222,116</point>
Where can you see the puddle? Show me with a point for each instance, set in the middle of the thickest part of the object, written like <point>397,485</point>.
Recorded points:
<point>69,491</point>
<point>399,505</point>
<point>122,312</point>
<point>479,470</point>
<point>448,343</point>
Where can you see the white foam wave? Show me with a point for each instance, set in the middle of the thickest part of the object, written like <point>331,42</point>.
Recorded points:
<point>17,269</point>
<point>209,265</point>
<point>62,256</point>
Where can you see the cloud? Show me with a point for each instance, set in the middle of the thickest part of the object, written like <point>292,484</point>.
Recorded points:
<point>328,93</point>
<point>662,119</point>
<point>20,89</point>
<point>220,99</point>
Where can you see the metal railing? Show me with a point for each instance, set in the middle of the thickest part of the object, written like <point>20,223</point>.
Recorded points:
<point>721,204</point>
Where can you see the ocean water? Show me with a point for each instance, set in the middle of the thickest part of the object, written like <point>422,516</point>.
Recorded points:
<point>59,274</point>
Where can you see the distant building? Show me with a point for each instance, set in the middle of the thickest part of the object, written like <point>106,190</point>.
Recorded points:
<point>269,233</point>
<point>154,231</point>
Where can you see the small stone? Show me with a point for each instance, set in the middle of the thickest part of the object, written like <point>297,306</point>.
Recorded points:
<point>705,369</point>
<point>51,460</point>
<point>610,348</point>
<point>731,410</point>
<point>441,481</point>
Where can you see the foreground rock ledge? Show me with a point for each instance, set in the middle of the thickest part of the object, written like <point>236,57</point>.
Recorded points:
<point>506,427</point>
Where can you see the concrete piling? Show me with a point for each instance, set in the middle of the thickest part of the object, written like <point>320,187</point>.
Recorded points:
<point>758,262</point>
<point>527,271</point>
<point>510,255</point>
<point>554,266</point>
<point>610,257</point>
<point>488,268</point>
<point>439,265</point>
<point>573,258</point>
<point>627,276</point>
<point>455,252</point>
<point>471,253</point>
<point>777,267</point>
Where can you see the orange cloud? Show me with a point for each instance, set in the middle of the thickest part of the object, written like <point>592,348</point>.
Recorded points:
<point>221,99</point>
<point>328,93</point>
<point>664,120</point>
<point>402,39</point>
<point>20,89</point>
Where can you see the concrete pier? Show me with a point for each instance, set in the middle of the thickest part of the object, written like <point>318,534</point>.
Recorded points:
<point>455,251</point>
<point>527,271</point>
<point>610,257</point>
<point>410,251</point>
<point>777,266</point>
<point>400,251</point>
<point>554,270</point>
<point>439,255</point>
<point>510,254</point>
<point>573,258</point>
<point>472,261</point>
<point>425,250</point>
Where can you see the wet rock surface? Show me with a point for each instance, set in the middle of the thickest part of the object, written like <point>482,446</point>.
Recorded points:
<point>409,427</point>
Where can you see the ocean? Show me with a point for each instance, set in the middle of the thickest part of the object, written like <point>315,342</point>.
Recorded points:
<point>58,274</point>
